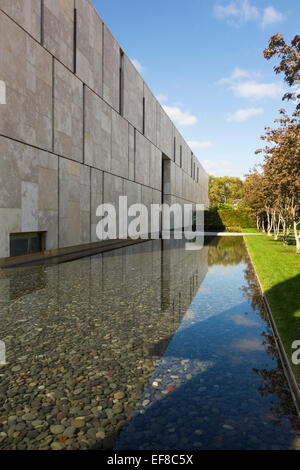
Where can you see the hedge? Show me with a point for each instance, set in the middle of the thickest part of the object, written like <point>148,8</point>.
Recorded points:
<point>221,219</point>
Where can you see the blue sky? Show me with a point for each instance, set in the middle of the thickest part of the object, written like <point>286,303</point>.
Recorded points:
<point>204,61</point>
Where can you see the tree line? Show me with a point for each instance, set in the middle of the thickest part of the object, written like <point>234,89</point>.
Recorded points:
<point>272,189</point>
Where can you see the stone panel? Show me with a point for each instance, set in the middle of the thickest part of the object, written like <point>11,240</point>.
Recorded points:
<point>96,199</point>
<point>165,137</point>
<point>133,191</point>
<point>59,30</point>
<point>26,13</point>
<point>131,156</point>
<point>133,95</point>
<point>68,114</point>
<point>74,203</point>
<point>98,132</point>
<point>113,189</point>
<point>29,190</point>
<point>150,114</point>
<point>119,156</point>
<point>142,160</point>
<point>26,69</point>
<point>155,168</point>
<point>111,69</point>
<point>89,45</point>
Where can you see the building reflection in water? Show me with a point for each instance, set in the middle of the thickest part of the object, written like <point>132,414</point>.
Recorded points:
<point>79,333</point>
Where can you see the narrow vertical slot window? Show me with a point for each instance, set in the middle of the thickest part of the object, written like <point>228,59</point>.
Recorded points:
<point>42,22</point>
<point>75,40</point>
<point>144,115</point>
<point>180,156</point>
<point>121,83</point>
<point>174,149</point>
<point>197,175</point>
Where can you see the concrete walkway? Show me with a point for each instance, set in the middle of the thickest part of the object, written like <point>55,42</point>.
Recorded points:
<point>227,234</point>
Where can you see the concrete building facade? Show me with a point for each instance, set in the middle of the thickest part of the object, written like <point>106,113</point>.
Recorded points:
<point>79,127</point>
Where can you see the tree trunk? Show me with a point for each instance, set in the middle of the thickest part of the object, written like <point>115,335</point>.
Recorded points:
<point>269,220</point>
<point>296,222</point>
<point>297,236</point>
<point>285,232</point>
<point>258,222</point>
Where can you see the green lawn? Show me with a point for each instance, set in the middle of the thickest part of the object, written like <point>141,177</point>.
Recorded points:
<point>280,279</point>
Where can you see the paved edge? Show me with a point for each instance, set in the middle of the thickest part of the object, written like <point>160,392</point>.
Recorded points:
<point>282,353</point>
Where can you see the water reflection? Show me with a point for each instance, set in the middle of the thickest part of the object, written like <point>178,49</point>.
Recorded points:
<point>219,385</point>
<point>83,338</point>
<point>176,340</point>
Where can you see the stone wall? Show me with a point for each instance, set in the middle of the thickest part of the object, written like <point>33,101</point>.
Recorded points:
<point>66,146</point>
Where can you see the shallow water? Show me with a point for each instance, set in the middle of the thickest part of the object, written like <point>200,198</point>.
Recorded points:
<point>167,348</point>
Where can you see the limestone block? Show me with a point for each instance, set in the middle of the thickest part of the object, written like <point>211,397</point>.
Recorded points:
<point>26,69</point>
<point>131,155</point>
<point>96,199</point>
<point>133,95</point>
<point>113,188</point>
<point>165,137</point>
<point>59,30</point>
<point>119,156</point>
<point>74,203</point>
<point>142,160</point>
<point>68,114</point>
<point>25,13</point>
<point>155,167</point>
<point>133,191</point>
<point>29,189</point>
<point>111,69</point>
<point>150,114</point>
<point>98,132</point>
<point>179,142</point>
<point>10,222</point>
<point>89,45</point>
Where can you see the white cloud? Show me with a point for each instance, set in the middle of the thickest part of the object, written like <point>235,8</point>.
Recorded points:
<point>236,74</point>
<point>196,144</point>
<point>161,98</point>
<point>241,11</point>
<point>243,114</point>
<point>220,168</point>
<point>238,12</point>
<point>244,85</point>
<point>228,11</point>
<point>183,118</point>
<point>271,16</point>
<point>140,68</point>
<point>252,89</point>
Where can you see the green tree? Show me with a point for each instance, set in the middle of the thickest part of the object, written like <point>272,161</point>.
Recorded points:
<point>289,63</point>
<point>225,190</point>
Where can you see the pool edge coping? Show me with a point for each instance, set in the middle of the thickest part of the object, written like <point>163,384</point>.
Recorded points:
<point>294,388</point>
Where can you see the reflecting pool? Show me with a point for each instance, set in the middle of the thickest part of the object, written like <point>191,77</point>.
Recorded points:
<point>146,347</point>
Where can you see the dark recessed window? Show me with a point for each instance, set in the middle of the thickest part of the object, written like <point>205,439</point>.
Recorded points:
<point>197,175</point>
<point>22,244</point>
<point>180,156</point>
<point>144,115</point>
<point>174,149</point>
<point>121,83</point>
